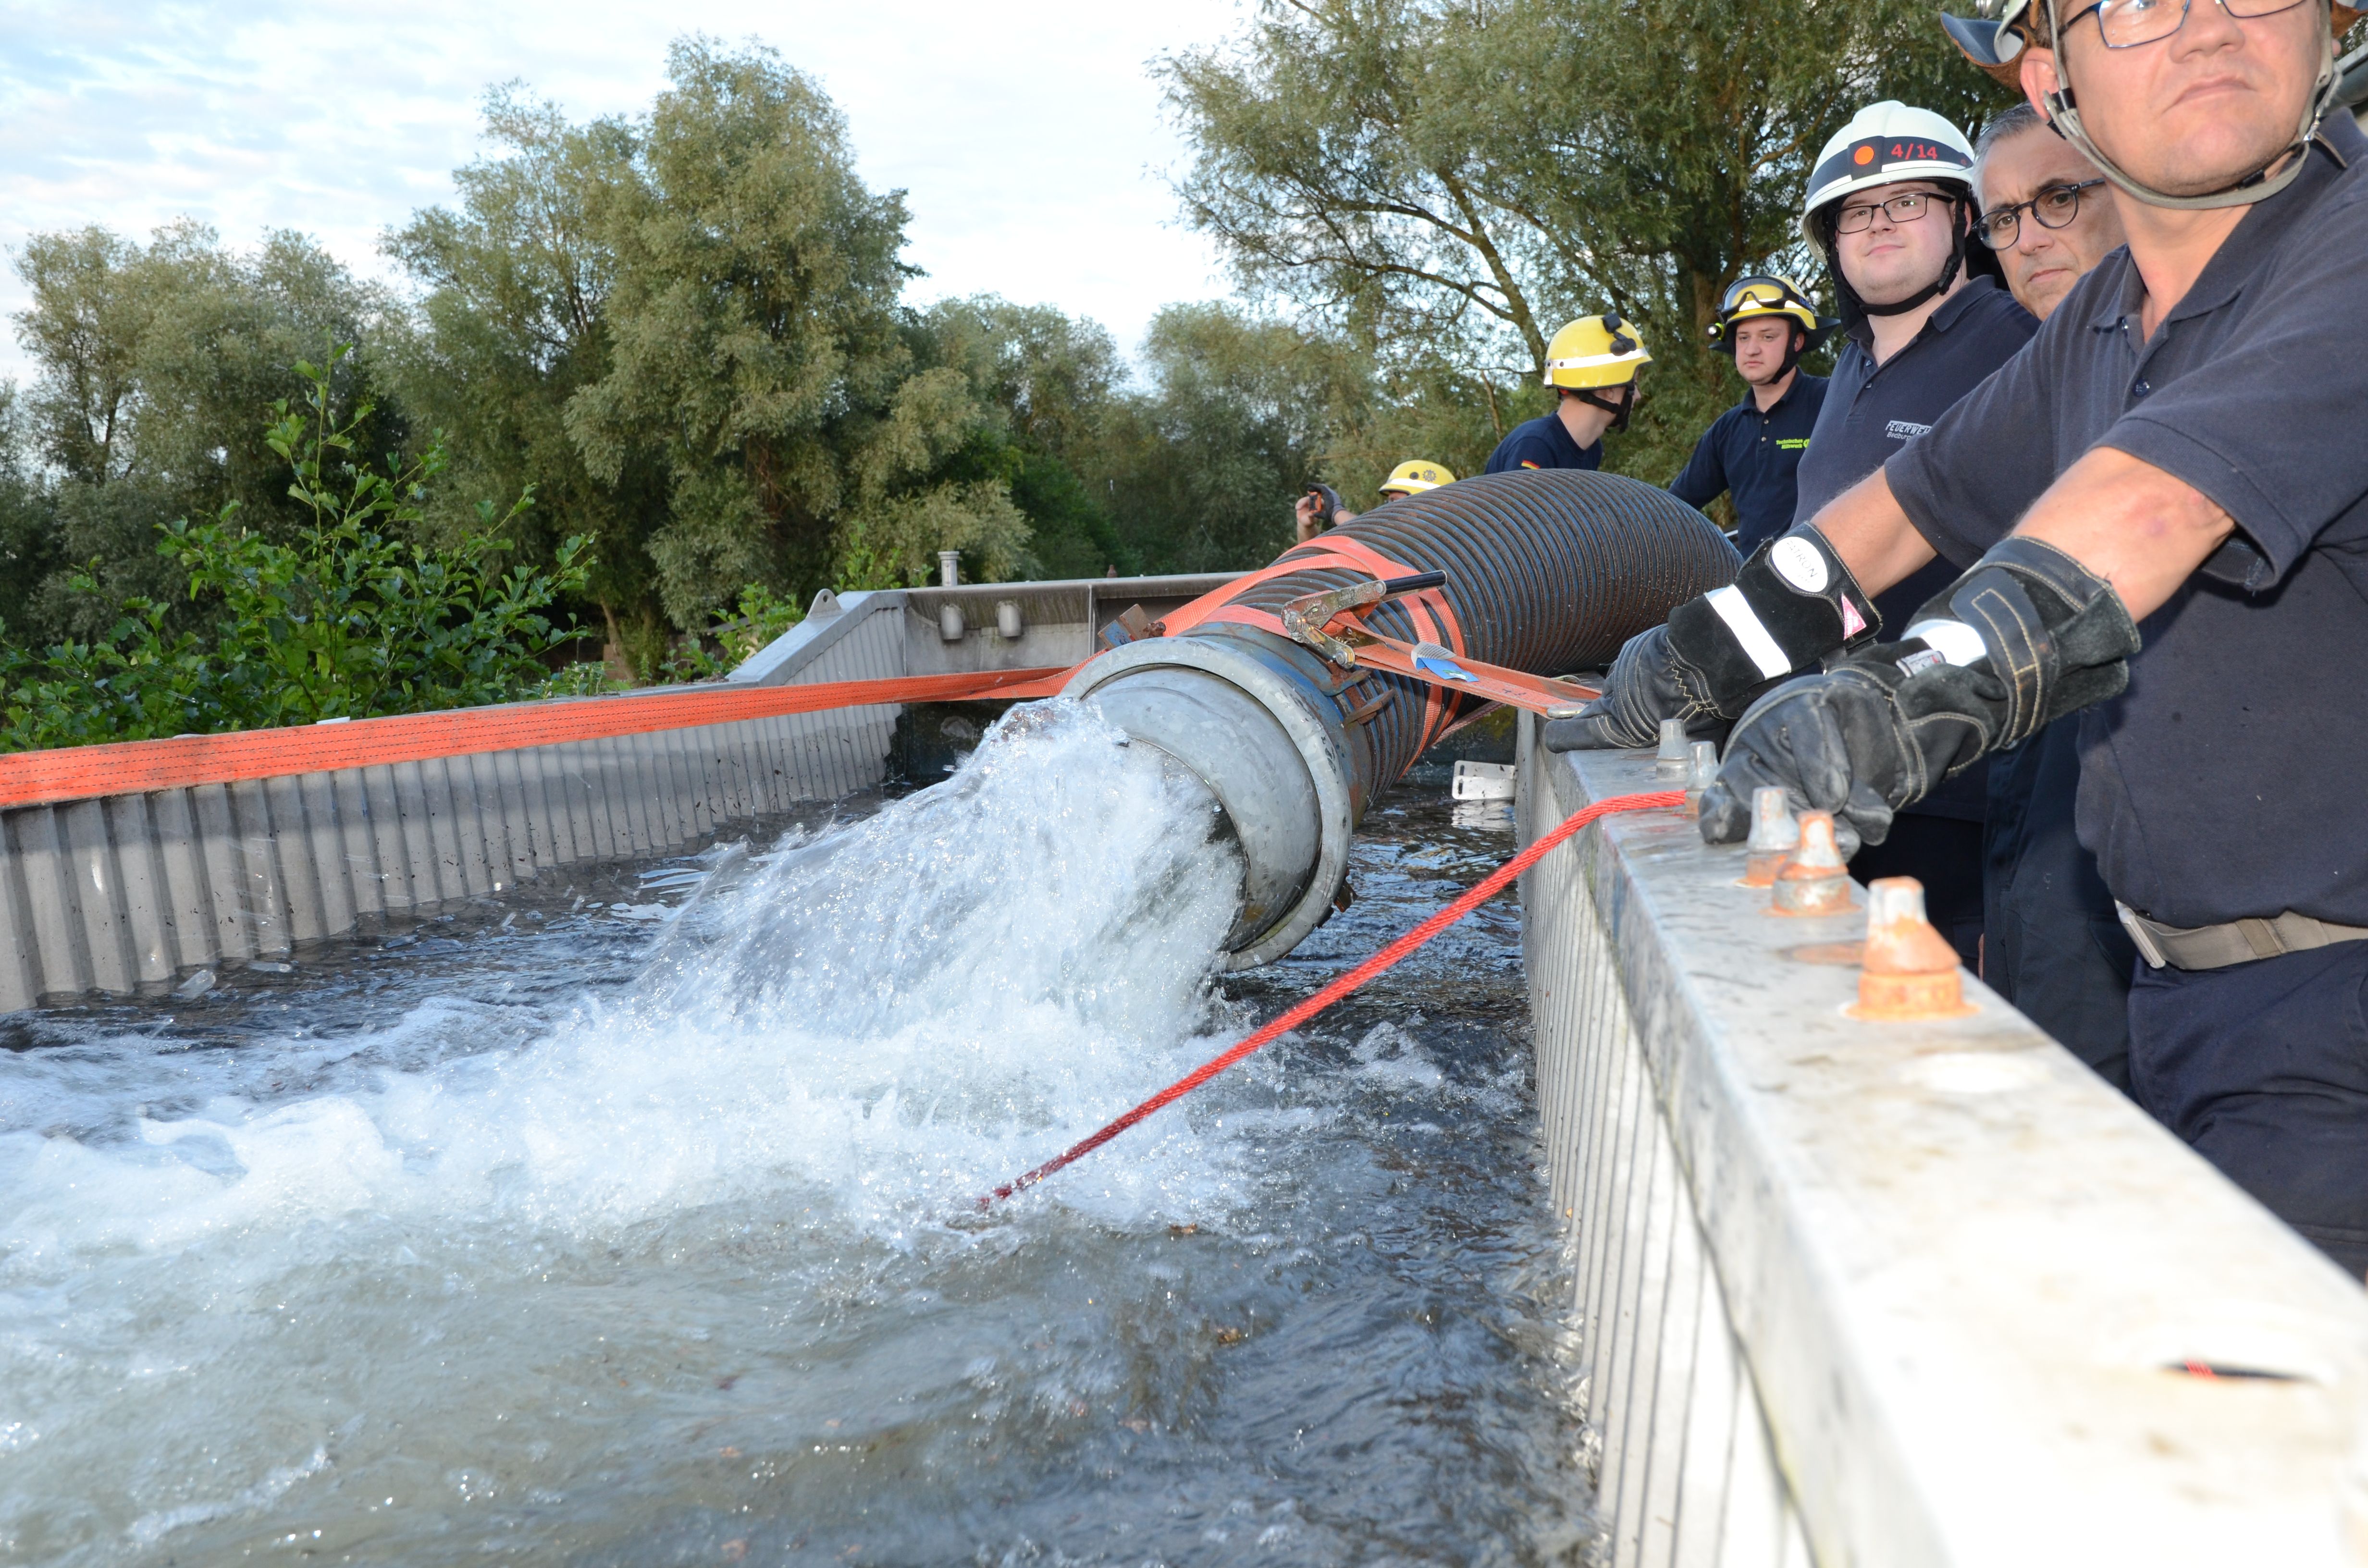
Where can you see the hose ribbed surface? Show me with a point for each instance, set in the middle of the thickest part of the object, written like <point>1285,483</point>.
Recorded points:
<point>1548,571</point>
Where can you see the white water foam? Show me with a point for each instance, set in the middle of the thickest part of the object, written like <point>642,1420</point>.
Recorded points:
<point>862,1027</point>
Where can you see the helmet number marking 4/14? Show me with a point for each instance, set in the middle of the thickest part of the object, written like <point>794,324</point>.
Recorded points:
<point>1797,562</point>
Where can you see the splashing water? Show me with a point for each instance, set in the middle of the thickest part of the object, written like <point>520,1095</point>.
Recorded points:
<point>555,1254</point>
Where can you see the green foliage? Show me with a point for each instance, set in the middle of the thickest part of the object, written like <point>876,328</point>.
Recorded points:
<point>1449,182</point>
<point>509,327</point>
<point>581,679</point>
<point>1072,535</point>
<point>347,621</point>
<point>1052,383</point>
<point>756,350</point>
<point>29,540</point>
<point>739,634</point>
<point>895,541</point>
<point>151,361</point>
<point>683,333</point>
<point>685,329</point>
<point>1202,468</point>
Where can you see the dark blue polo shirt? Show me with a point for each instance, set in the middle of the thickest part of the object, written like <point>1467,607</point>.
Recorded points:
<point>2228,781</point>
<point>1542,443</point>
<point>1754,454</point>
<point>1872,411</point>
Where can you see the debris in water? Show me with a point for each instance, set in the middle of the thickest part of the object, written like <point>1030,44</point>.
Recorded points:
<point>195,985</point>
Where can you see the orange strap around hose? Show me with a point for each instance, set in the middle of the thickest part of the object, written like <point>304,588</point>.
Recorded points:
<point>81,773</point>
<point>1435,619</point>
<point>76,773</point>
<point>1388,958</point>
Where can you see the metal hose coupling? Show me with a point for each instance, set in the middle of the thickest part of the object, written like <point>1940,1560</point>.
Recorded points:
<point>1543,572</point>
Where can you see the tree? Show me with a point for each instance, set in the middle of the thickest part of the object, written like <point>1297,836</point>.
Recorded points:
<point>1055,381</point>
<point>1202,466</point>
<point>29,520</point>
<point>1452,182</point>
<point>512,324</point>
<point>350,619</point>
<point>755,347</point>
<point>153,366</point>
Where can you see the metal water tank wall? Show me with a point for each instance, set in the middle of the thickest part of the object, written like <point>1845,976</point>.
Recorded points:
<point>129,891</point>
<point>1897,1293</point>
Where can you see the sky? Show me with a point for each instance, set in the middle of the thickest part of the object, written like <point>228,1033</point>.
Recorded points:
<point>1030,137</point>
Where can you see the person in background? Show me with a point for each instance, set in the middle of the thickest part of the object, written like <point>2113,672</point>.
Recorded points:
<point>1753,451</point>
<point>1890,208</point>
<point>2052,942</point>
<point>1592,365</point>
<point>1320,508</point>
<point>2046,210</point>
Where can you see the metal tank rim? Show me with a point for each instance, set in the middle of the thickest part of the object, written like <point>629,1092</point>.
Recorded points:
<point>1323,754</point>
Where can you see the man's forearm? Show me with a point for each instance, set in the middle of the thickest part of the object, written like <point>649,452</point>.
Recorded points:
<point>2130,523</point>
<point>1867,529</point>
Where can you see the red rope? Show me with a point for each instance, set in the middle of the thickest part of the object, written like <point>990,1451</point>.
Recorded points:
<point>1388,958</point>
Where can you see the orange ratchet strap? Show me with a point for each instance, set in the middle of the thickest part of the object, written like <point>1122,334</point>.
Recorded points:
<point>78,773</point>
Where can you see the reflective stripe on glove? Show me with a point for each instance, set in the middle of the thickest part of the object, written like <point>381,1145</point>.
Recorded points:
<point>1793,604</point>
<point>2026,636</point>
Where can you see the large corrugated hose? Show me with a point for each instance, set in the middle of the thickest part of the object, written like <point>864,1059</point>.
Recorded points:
<point>1547,572</point>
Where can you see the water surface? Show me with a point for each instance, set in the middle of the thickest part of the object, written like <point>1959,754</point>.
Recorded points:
<point>629,1222</point>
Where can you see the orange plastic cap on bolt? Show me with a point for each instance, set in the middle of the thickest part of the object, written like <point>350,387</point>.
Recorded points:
<point>1910,972</point>
<point>1816,882</point>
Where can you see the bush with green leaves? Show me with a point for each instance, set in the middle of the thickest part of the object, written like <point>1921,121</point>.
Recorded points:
<point>354,619</point>
<point>740,634</point>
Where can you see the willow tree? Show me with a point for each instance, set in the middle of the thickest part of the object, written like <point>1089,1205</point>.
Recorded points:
<point>755,344</point>
<point>1451,181</point>
<point>153,365</point>
<point>685,327</point>
<point>509,325</point>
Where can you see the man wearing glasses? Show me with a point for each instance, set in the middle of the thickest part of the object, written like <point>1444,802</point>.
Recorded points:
<point>1890,211</point>
<point>2179,553</point>
<point>2044,208</point>
<point>2052,943</point>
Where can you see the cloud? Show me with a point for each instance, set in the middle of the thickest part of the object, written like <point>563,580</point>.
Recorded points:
<point>1030,139</point>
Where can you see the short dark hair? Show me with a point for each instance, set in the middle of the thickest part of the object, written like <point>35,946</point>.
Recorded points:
<point>2011,124</point>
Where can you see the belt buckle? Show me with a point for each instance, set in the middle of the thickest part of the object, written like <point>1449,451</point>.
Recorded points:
<point>2148,948</point>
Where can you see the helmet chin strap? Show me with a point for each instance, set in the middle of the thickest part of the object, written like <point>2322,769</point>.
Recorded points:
<point>1619,411</point>
<point>1795,343</point>
<point>2065,115</point>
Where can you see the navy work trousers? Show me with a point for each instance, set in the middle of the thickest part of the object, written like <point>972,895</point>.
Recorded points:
<point>2262,1068</point>
<point>2054,945</point>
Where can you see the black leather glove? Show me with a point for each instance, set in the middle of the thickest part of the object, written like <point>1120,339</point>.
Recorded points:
<point>1646,683</point>
<point>2025,637</point>
<point>1793,604</point>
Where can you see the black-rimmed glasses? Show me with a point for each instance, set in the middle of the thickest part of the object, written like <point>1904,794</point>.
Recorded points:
<point>2055,207</point>
<point>1902,208</point>
<point>2125,24</point>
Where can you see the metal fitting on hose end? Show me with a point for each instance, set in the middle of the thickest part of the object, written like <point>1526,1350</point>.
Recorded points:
<point>1268,743</point>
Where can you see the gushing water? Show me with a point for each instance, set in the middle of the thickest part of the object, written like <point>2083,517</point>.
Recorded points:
<point>632,1245</point>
